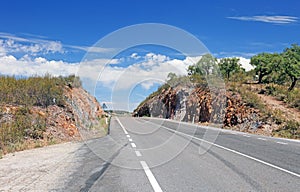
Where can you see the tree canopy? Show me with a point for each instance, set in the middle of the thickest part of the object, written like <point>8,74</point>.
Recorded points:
<point>229,65</point>
<point>205,66</point>
<point>291,67</point>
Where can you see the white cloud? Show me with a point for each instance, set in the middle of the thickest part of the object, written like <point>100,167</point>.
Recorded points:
<point>44,47</point>
<point>245,63</point>
<point>135,56</point>
<point>277,19</point>
<point>90,49</point>
<point>25,66</point>
<point>154,69</point>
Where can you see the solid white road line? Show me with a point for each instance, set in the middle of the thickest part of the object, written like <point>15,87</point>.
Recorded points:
<point>151,177</point>
<point>138,153</point>
<point>130,140</point>
<point>236,152</point>
<point>122,126</point>
<point>133,145</point>
<point>282,143</point>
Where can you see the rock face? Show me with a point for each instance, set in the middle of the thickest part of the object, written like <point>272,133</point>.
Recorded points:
<point>86,112</point>
<point>81,112</point>
<point>199,105</point>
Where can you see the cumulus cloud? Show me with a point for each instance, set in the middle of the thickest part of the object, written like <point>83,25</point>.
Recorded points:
<point>277,19</point>
<point>26,66</point>
<point>153,69</point>
<point>245,63</point>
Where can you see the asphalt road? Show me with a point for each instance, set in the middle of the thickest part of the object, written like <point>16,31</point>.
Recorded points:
<point>147,154</point>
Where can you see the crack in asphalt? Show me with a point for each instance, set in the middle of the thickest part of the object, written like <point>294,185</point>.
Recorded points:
<point>98,175</point>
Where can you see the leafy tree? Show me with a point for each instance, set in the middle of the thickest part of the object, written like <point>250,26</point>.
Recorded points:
<point>229,66</point>
<point>205,66</point>
<point>278,75</point>
<point>292,64</point>
<point>171,79</point>
<point>263,65</point>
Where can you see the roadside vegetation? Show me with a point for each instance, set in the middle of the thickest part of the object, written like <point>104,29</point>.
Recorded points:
<point>19,125</point>
<point>274,74</point>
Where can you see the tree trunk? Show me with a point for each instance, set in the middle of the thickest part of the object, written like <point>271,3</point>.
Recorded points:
<point>294,81</point>
<point>260,76</point>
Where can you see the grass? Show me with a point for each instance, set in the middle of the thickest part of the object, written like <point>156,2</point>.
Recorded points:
<point>23,126</point>
<point>286,128</point>
<point>249,97</point>
<point>291,129</point>
<point>19,128</point>
<point>105,125</point>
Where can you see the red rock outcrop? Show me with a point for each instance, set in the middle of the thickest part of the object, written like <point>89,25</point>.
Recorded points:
<point>199,105</point>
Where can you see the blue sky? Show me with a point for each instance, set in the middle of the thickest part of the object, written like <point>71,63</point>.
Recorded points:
<point>53,36</point>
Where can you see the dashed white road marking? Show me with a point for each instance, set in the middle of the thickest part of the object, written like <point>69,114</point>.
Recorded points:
<point>122,126</point>
<point>151,177</point>
<point>262,139</point>
<point>282,143</point>
<point>147,170</point>
<point>138,153</point>
<point>133,145</point>
<point>246,135</point>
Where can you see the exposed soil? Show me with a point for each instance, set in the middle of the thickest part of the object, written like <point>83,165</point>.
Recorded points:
<point>290,113</point>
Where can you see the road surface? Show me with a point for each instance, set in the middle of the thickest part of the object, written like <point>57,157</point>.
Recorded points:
<point>147,154</point>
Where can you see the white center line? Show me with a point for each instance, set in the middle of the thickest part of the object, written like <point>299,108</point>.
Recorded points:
<point>122,126</point>
<point>138,153</point>
<point>236,152</point>
<point>261,139</point>
<point>281,143</point>
<point>133,145</point>
<point>151,177</point>
<point>130,140</point>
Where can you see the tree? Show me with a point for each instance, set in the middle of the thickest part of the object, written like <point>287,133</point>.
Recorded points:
<point>172,79</point>
<point>229,65</point>
<point>263,65</point>
<point>205,66</point>
<point>292,64</point>
<point>278,75</point>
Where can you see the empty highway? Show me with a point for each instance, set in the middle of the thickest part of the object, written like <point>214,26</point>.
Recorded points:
<point>163,155</point>
<point>148,154</point>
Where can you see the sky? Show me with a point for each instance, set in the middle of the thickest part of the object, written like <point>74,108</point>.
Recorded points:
<point>62,37</point>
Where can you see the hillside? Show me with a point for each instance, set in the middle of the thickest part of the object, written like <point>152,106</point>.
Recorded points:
<point>264,100</point>
<point>39,111</point>
<point>246,110</point>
